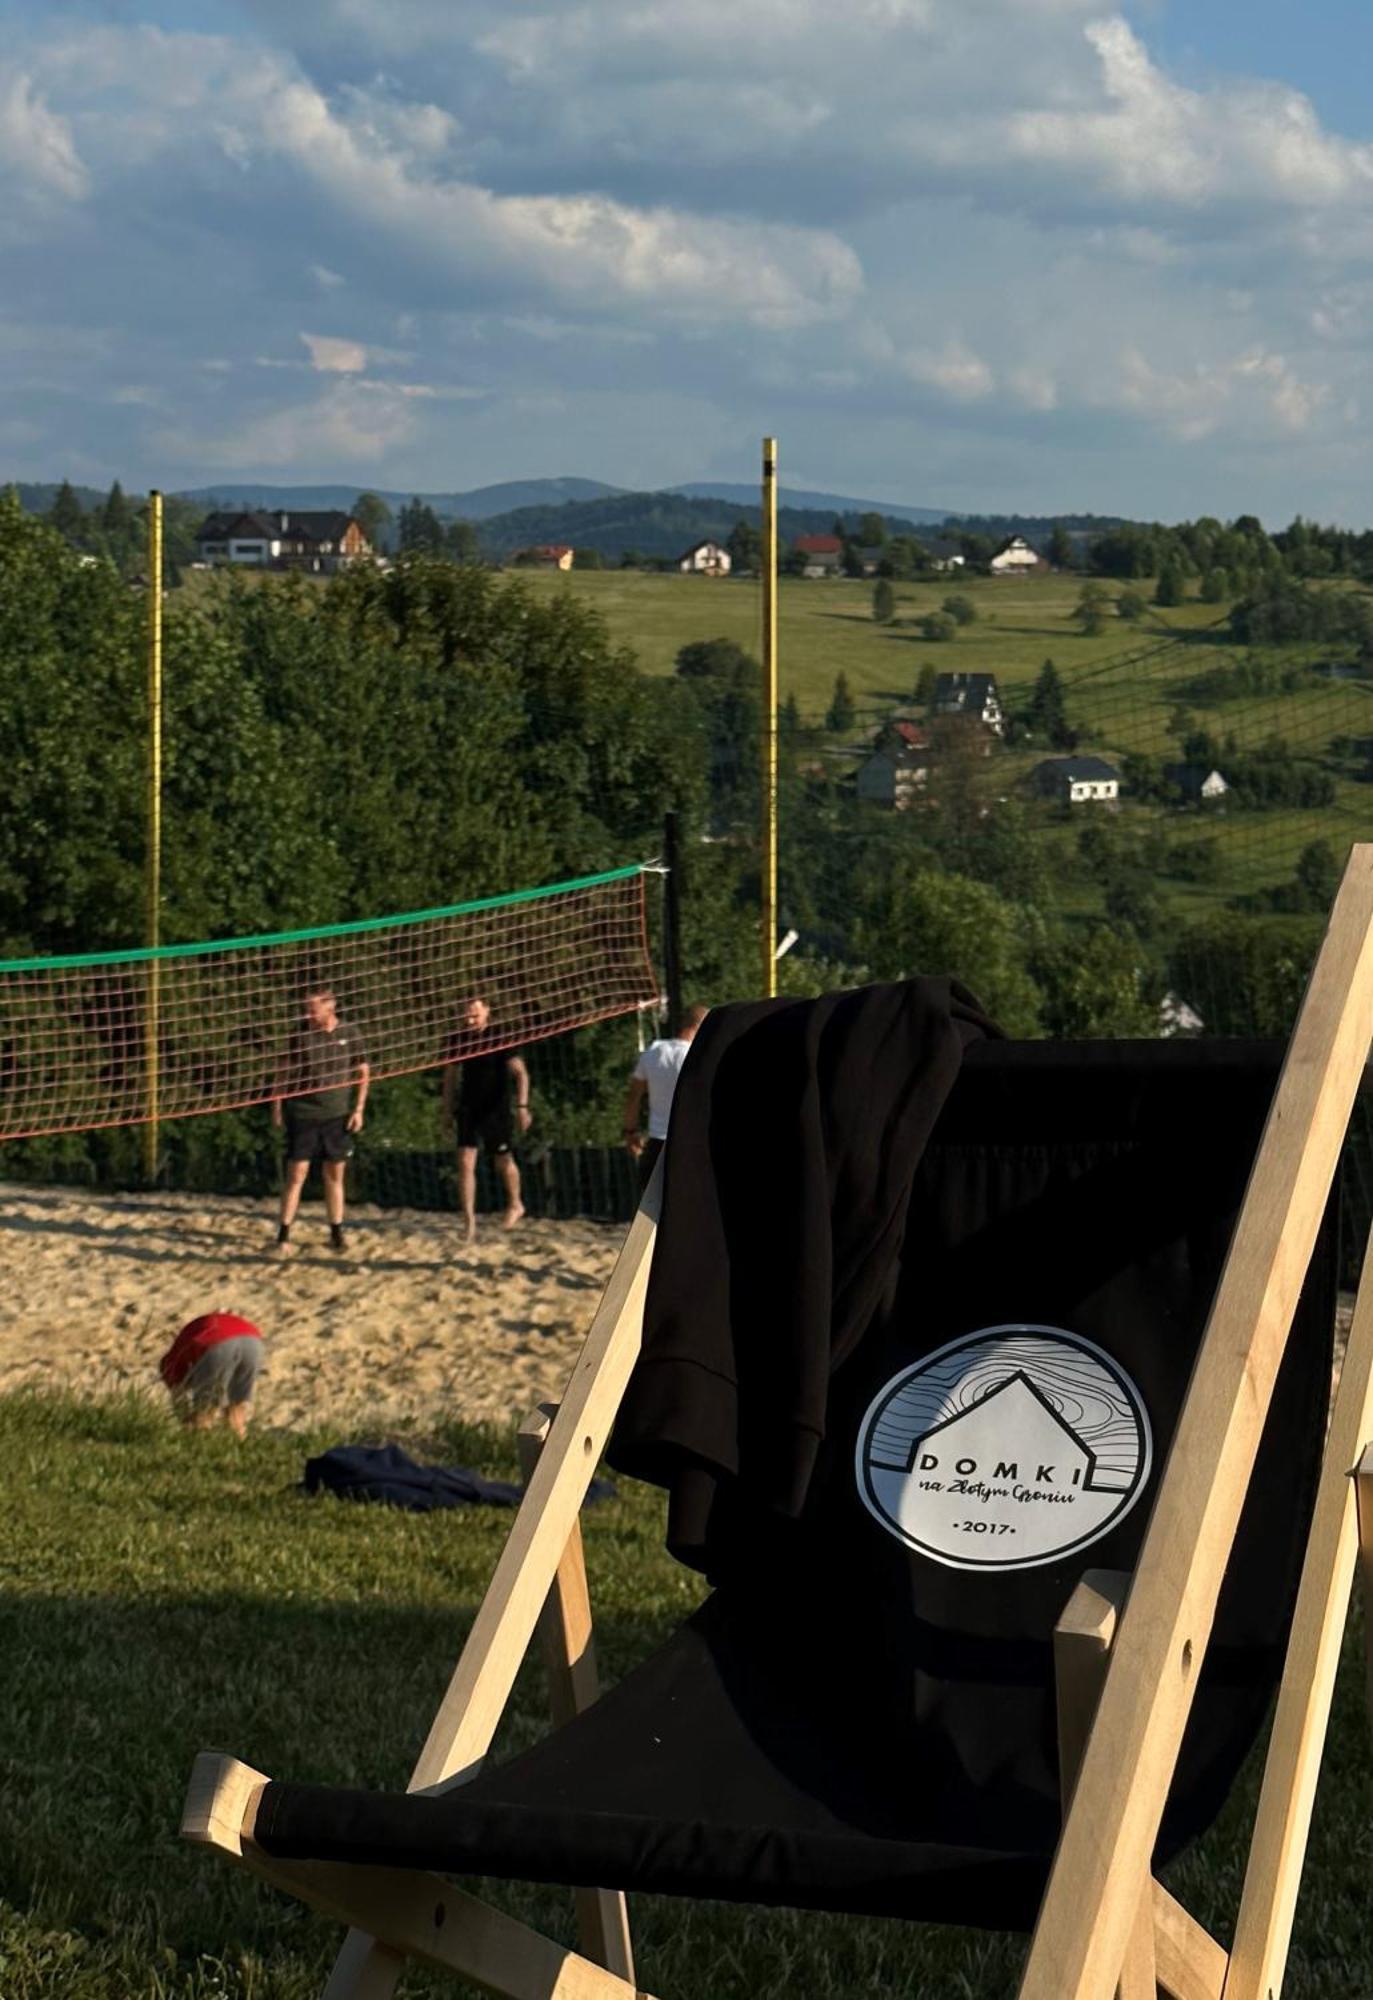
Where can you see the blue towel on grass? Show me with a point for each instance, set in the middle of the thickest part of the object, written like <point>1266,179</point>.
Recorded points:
<point>388,1474</point>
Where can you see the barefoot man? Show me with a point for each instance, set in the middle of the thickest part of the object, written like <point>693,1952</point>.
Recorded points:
<point>476,1097</point>
<point>325,1060</point>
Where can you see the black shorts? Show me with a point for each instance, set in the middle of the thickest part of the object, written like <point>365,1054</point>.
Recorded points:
<point>318,1138</point>
<point>491,1130</point>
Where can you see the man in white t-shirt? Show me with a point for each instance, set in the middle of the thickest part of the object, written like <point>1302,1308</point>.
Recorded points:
<point>655,1077</point>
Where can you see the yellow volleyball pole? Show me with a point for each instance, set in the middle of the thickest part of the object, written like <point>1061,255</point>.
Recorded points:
<point>153,925</point>
<point>769,745</point>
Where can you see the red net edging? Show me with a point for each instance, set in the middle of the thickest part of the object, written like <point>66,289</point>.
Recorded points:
<point>117,1038</point>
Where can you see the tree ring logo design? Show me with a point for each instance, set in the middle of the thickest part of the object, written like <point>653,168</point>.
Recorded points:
<point>1005,1449</point>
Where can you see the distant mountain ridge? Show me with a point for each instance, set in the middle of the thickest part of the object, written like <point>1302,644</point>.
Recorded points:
<point>660,525</point>
<point>589,514</point>
<point>476,505</point>
<point>804,499</point>
<point>483,502</point>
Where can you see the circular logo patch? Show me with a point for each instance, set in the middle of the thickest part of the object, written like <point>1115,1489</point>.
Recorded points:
<point>1008,1448</point>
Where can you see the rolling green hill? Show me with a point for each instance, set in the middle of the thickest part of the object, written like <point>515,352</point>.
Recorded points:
<point>1124,688</point>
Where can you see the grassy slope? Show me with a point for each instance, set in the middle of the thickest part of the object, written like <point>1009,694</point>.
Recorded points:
<point>1122,685</point>
<point>166,1593</point>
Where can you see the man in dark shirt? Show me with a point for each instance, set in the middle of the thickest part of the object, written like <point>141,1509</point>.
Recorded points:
<point>476,1096</point>
<point>324,1060</point>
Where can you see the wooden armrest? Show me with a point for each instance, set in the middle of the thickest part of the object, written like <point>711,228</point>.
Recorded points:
<point>222,1798</point>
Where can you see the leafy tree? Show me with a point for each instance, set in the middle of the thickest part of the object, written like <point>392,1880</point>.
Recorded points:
<point>373,516</point>
<point>1245,978</point>
<point>716,659</point>
<point>460,541</point>
<point>1060,547</point>
<point>1317,875</point>
<point>903,558</point>
<point>584,558</point>
<point>1171,587</point>
<point>883,601</point>
<point>1090,609</point>
<point>841,714</point>
<point>872,531</point>
<point>938,625</point>
<point>925,683</point>
<point>962,610</point>
<point>1215,585</point>
<point>1133,901</point>
<point>916,919</point>
<point>745,546</point>
<point>1130,605</point>
<point>1095,983</point>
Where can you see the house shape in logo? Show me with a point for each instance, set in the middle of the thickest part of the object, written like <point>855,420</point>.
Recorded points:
<point>1004,1449</point>
<point>1013,1432</point>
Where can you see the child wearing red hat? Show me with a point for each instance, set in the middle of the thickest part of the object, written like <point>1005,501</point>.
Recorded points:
<point>211,1365</point>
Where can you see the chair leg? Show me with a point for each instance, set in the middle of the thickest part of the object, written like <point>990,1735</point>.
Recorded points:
<point>1082,1645</point>
<point>570,1661</point>
<point>1363,1495</point>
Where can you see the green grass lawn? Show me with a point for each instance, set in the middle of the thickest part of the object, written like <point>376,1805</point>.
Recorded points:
<point>165,1593</point>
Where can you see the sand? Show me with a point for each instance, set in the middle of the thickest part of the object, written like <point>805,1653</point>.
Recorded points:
<point>409,1328</point>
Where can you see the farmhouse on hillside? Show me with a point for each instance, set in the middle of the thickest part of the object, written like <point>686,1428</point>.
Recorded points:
<point>973,695</point>
<point>1076,780</point>
<point>1196,782</point>
<point>823,555</point>
<point>546,555</point>
<point>1016,558</point>
<point>895,774</point>
<point>316,542</point>
<point>705,559</point>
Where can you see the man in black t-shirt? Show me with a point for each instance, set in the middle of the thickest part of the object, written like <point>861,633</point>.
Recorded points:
<point>324,1061</point>
<point>476,1097</point>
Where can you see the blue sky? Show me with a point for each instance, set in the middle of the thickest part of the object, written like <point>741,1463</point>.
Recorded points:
<point>989,254</point>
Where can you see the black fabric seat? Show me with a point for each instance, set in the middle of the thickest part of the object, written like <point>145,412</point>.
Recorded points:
<point>855,1721</point>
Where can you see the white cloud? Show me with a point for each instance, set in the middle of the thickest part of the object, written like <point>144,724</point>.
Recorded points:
<point>352,424</point>
<point>331,356</point>
<point>327,280</point>
<point>955,369</point>
<point>36,145</point>
<point>1143,136</point>
<point>1198,401</point>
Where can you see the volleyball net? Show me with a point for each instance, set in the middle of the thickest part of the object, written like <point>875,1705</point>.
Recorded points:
<point>118,1038</point>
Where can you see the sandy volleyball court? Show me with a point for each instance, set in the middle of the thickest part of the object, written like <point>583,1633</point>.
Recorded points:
<point>410,1326</point>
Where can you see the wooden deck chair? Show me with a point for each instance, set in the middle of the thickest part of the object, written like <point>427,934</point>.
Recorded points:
<point>1178,1342</point>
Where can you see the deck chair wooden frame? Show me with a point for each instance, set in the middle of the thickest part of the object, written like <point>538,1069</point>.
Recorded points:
<point>1126,1675</point>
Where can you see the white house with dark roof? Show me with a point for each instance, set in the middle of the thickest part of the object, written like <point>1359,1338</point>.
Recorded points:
<point>1077,780</point>
<point>1015,557</point>
<point>318,540</point>
<point>705,559</point>
<point>971,695</point>
<point>898,770</point>
<point>1196,782</point>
